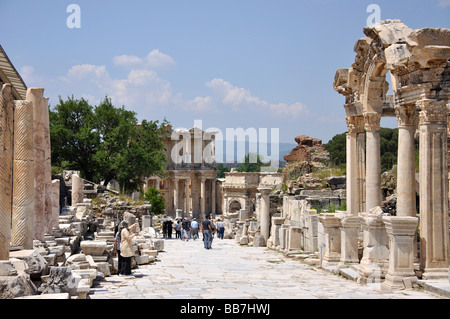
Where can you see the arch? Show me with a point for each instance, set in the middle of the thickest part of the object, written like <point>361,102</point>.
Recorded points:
<point>234,206</point>
<point>419,63</point>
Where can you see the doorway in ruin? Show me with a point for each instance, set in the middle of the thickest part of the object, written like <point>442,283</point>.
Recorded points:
<point>235,206</point>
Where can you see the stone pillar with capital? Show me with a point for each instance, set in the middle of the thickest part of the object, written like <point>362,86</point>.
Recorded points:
<point>373,161</point>
<point>213,198</point>
<point>433,173</point>
<point>203,197</point>
<point>187,198</point>
<point>406,174</point>
<point>352,168</point>
<point>176,195</point>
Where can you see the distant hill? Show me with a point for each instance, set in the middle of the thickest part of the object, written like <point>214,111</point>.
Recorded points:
<point>240,150</point>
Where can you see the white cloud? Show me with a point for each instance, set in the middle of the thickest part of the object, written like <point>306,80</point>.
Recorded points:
<point>240,98</point>
<point>157,59</point>
<point>444,3</point>
<point>127,60</point>
<point>154,60</point>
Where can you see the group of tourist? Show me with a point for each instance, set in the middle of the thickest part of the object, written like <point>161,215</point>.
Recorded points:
<point>189,229</point>
<point>184,229</point>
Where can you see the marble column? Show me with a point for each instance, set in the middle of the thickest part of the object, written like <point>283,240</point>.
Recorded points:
<point>47,168</point>
<point>23,176</point>
<point>373,162</point>
<point>40,223</point>
<point>265,212</point>
<point>213,198</point>
<point>6,144</point>
<point>203,197</point>
<point>77,190</point>
<point>176,194</point>
<point>352,169</point>
<point>433,172</point>
<point>401,231</point>
<point>55,204</point>
<point>187,198</point>
<point>406,174</point>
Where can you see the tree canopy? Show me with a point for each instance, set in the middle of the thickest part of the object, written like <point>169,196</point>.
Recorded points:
<point>252,163</point>
<point>388,148</point>
<point>105,142</point>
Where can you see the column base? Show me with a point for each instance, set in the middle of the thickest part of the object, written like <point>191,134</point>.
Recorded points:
<point>393,282</point>
<point>435,274</point>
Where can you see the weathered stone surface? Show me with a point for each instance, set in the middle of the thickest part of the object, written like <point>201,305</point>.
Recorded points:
<point>60,280</point>
<point>37,265</point>
<point>94,248</point>
<point>16,286</point>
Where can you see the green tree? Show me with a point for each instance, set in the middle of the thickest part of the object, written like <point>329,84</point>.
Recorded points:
<point>336,148</point>
<point>252,163</point>
<point>388,148</point>
<point>74,140</point>
<point>153,196</point>
<point>106,143</point>
<point>221,170</point>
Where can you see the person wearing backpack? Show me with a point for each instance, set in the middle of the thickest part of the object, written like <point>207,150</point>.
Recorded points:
<point>207,231</point>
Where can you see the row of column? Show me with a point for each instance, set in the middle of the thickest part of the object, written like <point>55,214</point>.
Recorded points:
<point>203,212</point>
<point>433,174</point>
<point>26,189</point>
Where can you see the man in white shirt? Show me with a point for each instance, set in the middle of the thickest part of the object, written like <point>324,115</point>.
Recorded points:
<point>194,229</point>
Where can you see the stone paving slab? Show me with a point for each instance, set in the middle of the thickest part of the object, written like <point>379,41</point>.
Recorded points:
<point>185,270</point>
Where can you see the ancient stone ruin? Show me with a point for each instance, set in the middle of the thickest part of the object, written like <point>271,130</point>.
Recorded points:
<point>363,242</point>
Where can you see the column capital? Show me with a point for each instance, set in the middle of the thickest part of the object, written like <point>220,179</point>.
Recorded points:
<point>264,190</point>
<point>372,121</point>
<point>432,111</point>
<point>406,115</point>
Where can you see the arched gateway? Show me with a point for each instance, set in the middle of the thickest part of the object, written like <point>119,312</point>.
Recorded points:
<point>418,61</point>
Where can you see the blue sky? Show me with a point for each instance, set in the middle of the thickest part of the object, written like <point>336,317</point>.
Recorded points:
<point>247,63</point>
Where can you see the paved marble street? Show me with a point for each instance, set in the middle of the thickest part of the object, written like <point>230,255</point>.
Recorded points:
<point>185,270</point>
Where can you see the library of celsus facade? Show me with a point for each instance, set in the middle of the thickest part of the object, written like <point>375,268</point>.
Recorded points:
<point>418,62</point>
<point>189,187</point>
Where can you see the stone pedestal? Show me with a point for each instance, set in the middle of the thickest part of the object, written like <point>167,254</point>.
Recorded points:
<point>401,231</point>
<point>276,226</point>
<point>349,239</point>
<point>374,263</point>
<point>295,238</point>
<point>332,238</point>
<point>77,190</point>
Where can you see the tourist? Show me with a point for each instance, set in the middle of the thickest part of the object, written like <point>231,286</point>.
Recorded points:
<point>186,230</point>
<point>194,229</point>
<point>118,229</point>
<point>126,248</point>
<point>220,228</point>
<point>169,228</point>
<point>165,229</point>
<point>207,232</point>
<point>178,229</point>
